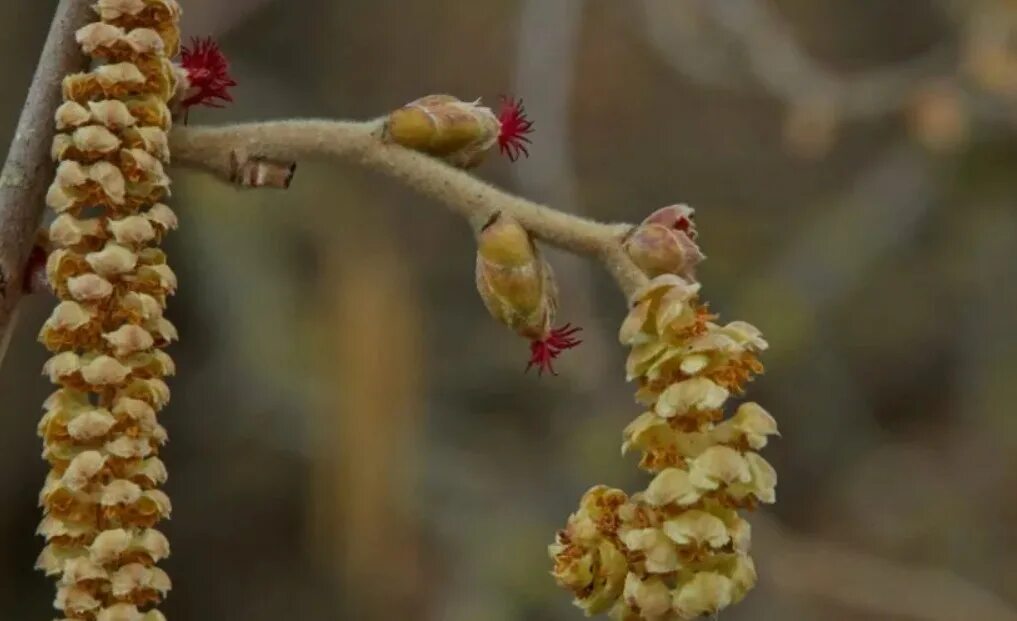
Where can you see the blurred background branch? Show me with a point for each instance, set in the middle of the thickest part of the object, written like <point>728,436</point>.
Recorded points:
<point>809,567</point>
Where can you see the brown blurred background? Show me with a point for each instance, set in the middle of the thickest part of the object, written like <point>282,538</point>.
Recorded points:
<point>353,437</point>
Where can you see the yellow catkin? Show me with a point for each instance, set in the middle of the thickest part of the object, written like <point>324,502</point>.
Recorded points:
<point>679,549</point>
<point>101,500</point>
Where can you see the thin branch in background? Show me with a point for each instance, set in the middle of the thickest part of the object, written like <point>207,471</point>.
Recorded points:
<point>810,567</point>
<point>27,171</point>
<point>834,253</point>
<point>370,429</point>
<point>827,259</point>
<point>789,73</point>
<point>716,42</point>
<point>680,35</point>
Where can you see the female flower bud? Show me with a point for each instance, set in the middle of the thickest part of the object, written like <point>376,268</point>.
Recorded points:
<point>518,289</point>
<point>664,243</point>
<point>207,71</point>
<point>440,125</point>
<point>459,132</point>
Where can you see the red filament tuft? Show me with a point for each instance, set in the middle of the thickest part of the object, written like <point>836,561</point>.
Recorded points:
<point>544,351</point>
<point>514,127</point>
<point>208,72</point>
<point>686,225</point>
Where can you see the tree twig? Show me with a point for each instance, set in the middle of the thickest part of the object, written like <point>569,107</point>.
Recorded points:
<point>221,150</point>
<point>26,172</point>
<point>695,38</point>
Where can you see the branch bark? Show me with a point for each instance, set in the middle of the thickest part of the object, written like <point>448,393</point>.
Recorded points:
<point>27,171</point>
<point>222,150</point>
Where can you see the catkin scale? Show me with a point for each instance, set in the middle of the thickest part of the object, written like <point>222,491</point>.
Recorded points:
<point>100,431</point>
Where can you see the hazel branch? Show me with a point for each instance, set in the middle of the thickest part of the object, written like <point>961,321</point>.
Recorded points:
<point>225,151</point>
<point>27,170</point>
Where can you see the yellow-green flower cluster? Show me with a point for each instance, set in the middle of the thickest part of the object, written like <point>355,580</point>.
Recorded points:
<point>679,549</point>
<point>100,431</point>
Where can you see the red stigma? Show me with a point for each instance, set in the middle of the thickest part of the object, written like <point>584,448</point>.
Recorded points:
<point>514,127</point>
<point>544,351</point>
<point>687,226</point>
<point>208,72</point>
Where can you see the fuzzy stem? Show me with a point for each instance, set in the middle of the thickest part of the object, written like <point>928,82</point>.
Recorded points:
<point>27,171</point>
<point>221,149</point>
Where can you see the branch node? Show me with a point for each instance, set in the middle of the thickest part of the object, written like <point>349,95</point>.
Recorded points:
<point>260,172</point>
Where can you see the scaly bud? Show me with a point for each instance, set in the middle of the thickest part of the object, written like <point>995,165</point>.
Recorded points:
<point>664,243</point>
<point>457,131</point>
<point>518,289</point>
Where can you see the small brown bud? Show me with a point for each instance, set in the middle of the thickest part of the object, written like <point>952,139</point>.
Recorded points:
<point>260,172</point>
<point>440,125</point>
<point>664,243</point>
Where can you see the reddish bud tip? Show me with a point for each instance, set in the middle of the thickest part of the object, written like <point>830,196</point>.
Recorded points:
<point>677,217</point>
<point>544,351</point>
<point>514,127</point>
<point>687,226</point>
<point>208,72</point>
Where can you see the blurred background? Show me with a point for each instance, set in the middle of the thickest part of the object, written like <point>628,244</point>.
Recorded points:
<point>354,438</point>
